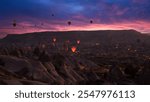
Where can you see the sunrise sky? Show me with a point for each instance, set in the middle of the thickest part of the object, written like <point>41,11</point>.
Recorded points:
<point>53,15</point>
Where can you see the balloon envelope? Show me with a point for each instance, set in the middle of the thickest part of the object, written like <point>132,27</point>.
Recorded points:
<point>69,22</point>
<point>14,24</point>
<point>78,41</point>
<point>91,21</point>
<point>73,49</point>
<point>54,39</point>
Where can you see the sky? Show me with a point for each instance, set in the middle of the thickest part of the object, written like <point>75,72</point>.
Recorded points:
<point>54,15</point>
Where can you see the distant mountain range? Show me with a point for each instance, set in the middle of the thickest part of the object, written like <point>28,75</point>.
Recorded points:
<point>102,36</point>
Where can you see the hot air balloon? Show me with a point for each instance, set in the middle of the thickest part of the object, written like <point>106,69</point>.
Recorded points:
<point>69,22</point>
<point>54,40</point>
<point>73,49</point>
<point>91,21</point>
<point>52,14</point>
<point>14,23</point>
<point>78,41</point>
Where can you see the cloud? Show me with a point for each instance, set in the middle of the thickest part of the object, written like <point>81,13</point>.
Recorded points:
<point>80,12</point>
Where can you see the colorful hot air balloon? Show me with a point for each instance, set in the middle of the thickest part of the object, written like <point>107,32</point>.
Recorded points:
<point>73,49</point>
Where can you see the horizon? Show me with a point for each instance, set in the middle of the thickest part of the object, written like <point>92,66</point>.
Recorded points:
<point>28,16</point>
<point>75,31</point>
<point>1,37</point>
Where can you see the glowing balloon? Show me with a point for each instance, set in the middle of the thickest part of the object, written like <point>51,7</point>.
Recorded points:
<point>78,41</point>
<point>73,49</point>
<point>54,39</point>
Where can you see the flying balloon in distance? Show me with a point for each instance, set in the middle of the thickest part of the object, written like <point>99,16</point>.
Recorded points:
<point>52,14</point>
<point>14,23</point>
<point>69,22</point>
<point>91,21</point>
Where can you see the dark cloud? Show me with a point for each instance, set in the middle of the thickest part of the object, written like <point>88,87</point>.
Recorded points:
<point>65,9</point>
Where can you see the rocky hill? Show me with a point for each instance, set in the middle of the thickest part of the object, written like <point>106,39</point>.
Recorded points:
<point>105,36</point>
<point>102,57</point>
